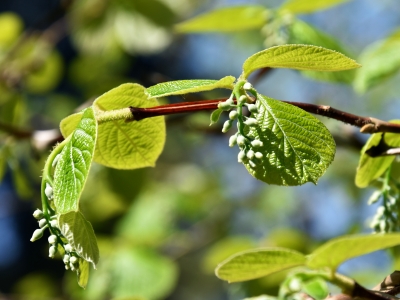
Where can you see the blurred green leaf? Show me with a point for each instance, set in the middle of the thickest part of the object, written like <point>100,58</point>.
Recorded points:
<point>306,6</point>
<point>257,263</point>
<point>80,235</point>
<point>83,273</point>
<point>300,57</point>
<point>141,272</point>
<point>317,288</point>
<point>297,147</point>
<point>180,87</point>
<point>370,168</point>
<point>227,19</point>
<point>128,145</point>
<point>11,27</point>
<point>74,163</point>
<point>336,251</point>
<point>21,182</point>
<point>380,61</point>
<point>36,286</point>
<point>126,183</point>
<point>215,116</point>
<point>3,161</point>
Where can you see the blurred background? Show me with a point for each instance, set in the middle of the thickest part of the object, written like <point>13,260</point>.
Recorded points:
<point>163,230</point>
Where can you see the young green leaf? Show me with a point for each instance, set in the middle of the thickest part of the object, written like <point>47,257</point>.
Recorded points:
<point>215,116</point>
<point>256,263</point>
<point>306,6</point>
<point>336,251</point>
<point>73,166</point>
<point>83,273</point>
<point>80,235</point>
<point>380,61</point>
<point>370,168</point>
<point>226,19</point>
<point>300,57</point>
<point>297,147</point>
<point>68,124</point>
<point>128,145</point>
<point>180,87</point>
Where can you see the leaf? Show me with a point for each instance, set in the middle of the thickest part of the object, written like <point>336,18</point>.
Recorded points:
<point>370,168</point>
<point>83,273</point>
<point>303,33</point>
<point>306,6</point>
<point>227,19</point>
<point>336,251</point>
<point>128,145</point>
<point>316,288</point>
<point>380,61</point>
<point>141,272</point>
<point>11,26</point>
<point>74,163</point>
<point>297,147</point>
<point>258,263</point>
<point>68,124</point>
<point>80,235</point>
<point>180,87</point>
<point>215,116</point>
<point>300,57</point>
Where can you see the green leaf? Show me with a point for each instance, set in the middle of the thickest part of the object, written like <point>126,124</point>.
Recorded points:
<point>11,27</point>
<point>370,168</point>
<point>316,288</point>
<point>141,272</point>
<point>80,235</point>
<point>215,116</point>
<point>306,6</point>
<point>83,273</point>
<point>380,61</point>
<point>68,124</point>
<point>256,263</point>
<point>180,87</point>
<point>128,145</point>
<point>74,163</point>
<point>227,19</point>
<point>303,33</point>
<point>336,251</point>
<point>297,147</point>
<point>300,57</point>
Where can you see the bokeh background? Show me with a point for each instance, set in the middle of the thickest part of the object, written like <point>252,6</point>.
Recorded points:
<point>163,230</point>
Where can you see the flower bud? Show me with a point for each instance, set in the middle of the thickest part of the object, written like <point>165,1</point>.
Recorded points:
<point>68,248</point>
<point>52,251</point>
<point>252,108</point>
<point>252,164</point>
<point>227,126</point>
<point>48,191</point>
<point>247,86</point>
<point>66,258</point>
<point>66,267</point>
<point>241,140</point>
<point>250,154</point>
<point>38,214</point>
<point>73,259</point>
<point>233,140</point>
<point>72,267</point>
<point>251,122</point>
<point>42,223</point>
<point>52,239</point>
<point>241,156</point>
<point>258,155</point>
<point>226,105</point>
<point>242,100</point>
<point>233,114</point>
<point>54,223</point>
<point>257,143</point>
<point>37,234</point>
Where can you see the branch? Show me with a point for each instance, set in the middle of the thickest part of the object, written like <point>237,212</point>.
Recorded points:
<point>366,124</point>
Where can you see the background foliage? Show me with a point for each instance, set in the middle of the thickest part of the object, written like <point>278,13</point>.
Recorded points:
<point>163,230</point>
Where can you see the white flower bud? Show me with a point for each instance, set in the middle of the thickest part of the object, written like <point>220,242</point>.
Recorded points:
<point>252,164</point>
<point>54,223</point>
<point>241,140</point>
<point>66,267</point>
<point>55,160</point>
<point>241,156</point>
<point>73,259</point>
<point>251,122</point>
<point>42,223</point>
<point>227,126</point>
<point>258,155</point>
<point>252,108</point>
<point>52,239</point>
<point>257,143</point>
<point>37,234</point>
<point>72,267</point>
<point>250,154</point>
<point>242,100</point>
<point>247,86</point>
<point>233,140</point>
<point>38,214</point>
<point>226,105</point>
<point>48,191</point>
<point>52,251</point>
<point>68,248</point>
<point>233,114</point>
<point>66,258</point>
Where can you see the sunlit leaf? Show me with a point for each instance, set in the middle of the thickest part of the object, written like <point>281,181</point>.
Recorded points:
<point>74,163</point>
<point>180,87</point>
<point>80,235</point>
<point>226,19</point>
<point>370,168</point>
<point>83,273</point>
<point>306,6</point>
<point>338,250</point>
<point>11,27</point>
<point>257,263</point>
<point>297,147</point>
<point>300,57</point>
<point>128,145</point>
<point>68,124</point>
